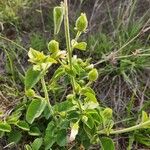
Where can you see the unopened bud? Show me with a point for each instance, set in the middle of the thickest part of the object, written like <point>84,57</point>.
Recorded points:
<point>82,23</point>
<point>53,46</point>
<point>93,75</point>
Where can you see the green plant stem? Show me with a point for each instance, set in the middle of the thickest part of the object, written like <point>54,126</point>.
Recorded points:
<point>67,33</point>
<point>46,95</point>
<point>136,127</point>
<point>68,41</point>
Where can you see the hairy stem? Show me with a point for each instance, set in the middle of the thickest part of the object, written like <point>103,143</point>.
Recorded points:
<point>46,94</point>
<point>67,33</point>
<point>68,41</point>
<point>136,127</point>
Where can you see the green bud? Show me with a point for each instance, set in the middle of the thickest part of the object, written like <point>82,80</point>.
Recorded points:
<point>107,113</point>
<point>82,23</point>
<point>30,93</point>
<point>70,96</point>
<point>53,46</point>
<point>93,75</point>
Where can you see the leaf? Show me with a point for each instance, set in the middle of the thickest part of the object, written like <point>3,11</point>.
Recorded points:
<point>81,46</point>
<point>74,131</point>
<point>96,117</point>
<point>34,131</point>
<point>35,109</point>
<point>36,56</point>
<point>28,147</point>
<point>49,138</point>
<point>107,144</point>
<point>14,137</point>
<point>144,116</point>
<point>89,122</point>
<point>61,138</point>
<point>37,143</point>
<point>64,106</point>
<point>5,127</point>
<point>23,125</point>
<point>31,78</point>
<point>58,18</point>
<point>91,97</point>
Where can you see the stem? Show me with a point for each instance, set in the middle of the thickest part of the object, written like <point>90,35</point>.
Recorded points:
<point>136,127</point>
<point>68,41</point>
<point>67,33</point>
<point>46,95</point>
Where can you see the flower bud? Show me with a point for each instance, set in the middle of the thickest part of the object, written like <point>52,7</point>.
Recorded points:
<point>107,113</point>
<point>70,96</point>
<point>82,23</point>
<point>93,75</point>
<point>30,93</point>
<point>53,46</point>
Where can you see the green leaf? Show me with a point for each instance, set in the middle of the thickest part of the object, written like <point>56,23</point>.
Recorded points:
<point>37,143</point>
<point>96,117</point>
<point>5,127</point>
<point>35,109</point>
<point>31,78</point>
<point>28,147</point>
<point>81,46</point>
<point>49,138</point>
<point>61,138</point>
<point>14,137</point>
<point>89,122</point>
<point>34,131</point>
<point>23,125</point>
<point>107,144</point>
<point>58,18</point>
<point>64,106</point>
<point>144,116</point>
<point>36,56</point>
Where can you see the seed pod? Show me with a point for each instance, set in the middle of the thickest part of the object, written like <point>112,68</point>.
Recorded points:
<point>82,23</point>
<point>53,46</point>
<point>93,75</point>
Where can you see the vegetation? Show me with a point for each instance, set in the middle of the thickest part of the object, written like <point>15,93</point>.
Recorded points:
<point>64,99</point>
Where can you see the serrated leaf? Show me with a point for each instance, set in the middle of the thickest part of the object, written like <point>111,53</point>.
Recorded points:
<point>31,78</point>
<point>37,143</point>
<point>107,144</point>
<point>5,127</point>
<point>61,138</point>
<point>35,109</point>
<point>34,131</point>
<point>81,46</point>
<point>23,125</point>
